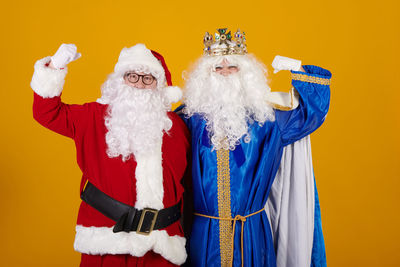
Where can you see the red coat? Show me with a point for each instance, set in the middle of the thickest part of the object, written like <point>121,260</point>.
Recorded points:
<point>85,125</point>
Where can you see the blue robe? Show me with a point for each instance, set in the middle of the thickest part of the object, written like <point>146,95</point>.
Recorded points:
<point>250,170</point>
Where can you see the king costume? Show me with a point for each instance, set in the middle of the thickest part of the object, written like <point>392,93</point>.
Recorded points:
<point>231,186</point>
<point>144,180</point>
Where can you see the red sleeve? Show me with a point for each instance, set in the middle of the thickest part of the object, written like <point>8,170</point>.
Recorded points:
<point>186,178</point>
<point>59,117</point>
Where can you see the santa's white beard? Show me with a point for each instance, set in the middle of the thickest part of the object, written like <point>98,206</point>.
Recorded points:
<point>136,121</point>
<point>230,103</point>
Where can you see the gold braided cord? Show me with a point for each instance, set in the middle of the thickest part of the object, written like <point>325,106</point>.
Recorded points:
<point>229,219</point>
<point>310,79</point>
<point>224,206</point>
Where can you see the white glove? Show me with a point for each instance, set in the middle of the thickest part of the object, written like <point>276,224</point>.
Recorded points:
<point>285,63</point>
<point>65,54</point>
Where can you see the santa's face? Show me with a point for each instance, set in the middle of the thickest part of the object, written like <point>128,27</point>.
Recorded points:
<point>140,80</point>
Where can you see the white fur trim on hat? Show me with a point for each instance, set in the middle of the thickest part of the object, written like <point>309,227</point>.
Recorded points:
<point>138,56</point>
<point>102,240</point>
<point>47,82</point>
<point>173,93</point>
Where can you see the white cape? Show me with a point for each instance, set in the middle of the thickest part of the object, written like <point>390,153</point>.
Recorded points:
<point>290,205</point>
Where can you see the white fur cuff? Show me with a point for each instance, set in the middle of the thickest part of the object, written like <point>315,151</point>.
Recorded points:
<point>102,240</point>
<point>173,94</point>
<point>47,82</point>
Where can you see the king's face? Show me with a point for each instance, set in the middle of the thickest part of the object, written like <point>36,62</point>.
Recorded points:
<point>226,68</point>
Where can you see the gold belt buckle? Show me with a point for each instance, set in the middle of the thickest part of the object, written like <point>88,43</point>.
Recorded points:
<point>153,222</point>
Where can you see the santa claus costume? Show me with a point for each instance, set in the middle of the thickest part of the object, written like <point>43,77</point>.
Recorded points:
<point>131,148</point>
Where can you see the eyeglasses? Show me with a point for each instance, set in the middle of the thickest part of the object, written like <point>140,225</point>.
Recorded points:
<point>133,77</point>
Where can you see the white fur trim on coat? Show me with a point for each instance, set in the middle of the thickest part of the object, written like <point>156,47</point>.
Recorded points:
<point>173,94</point>
<point>102,240</point>
<point>149,179</point>
<point>47,82</point>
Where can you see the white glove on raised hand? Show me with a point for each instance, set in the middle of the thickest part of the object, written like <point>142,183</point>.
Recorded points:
<point>65,54</point>
<point>285,63</point>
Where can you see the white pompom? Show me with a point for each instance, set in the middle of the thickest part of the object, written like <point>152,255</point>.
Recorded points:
<point>173,93</point>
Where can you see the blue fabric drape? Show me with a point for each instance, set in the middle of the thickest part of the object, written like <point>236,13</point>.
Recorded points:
<point>318,256</point>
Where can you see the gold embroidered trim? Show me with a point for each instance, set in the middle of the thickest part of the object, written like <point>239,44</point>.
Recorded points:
<point>310,79</point>
<point>224,206</point>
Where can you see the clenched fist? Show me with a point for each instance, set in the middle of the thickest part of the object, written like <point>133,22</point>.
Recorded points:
<point>65,54</point>
<point>285,63</point>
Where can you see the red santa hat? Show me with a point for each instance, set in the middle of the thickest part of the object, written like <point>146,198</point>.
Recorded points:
<point>138,57</point>
<point>161,60</point>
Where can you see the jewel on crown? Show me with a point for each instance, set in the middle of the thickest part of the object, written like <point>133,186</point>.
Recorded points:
<point>223,44</point>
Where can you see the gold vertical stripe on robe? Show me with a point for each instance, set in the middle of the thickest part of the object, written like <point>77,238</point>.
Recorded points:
<point>224,206</point>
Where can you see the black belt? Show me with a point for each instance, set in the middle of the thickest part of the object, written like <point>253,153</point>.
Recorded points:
<point>129,218</point>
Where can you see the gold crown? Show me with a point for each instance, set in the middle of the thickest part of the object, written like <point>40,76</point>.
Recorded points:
<point>223,44</point>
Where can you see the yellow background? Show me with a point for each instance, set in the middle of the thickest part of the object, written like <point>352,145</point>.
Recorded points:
<point>355,152</point>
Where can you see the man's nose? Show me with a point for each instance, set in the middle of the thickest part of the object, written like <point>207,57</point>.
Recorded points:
<point>225,72</point>
<point>140,84</point>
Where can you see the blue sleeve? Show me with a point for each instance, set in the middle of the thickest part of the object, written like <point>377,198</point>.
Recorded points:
<point>314,90</point>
